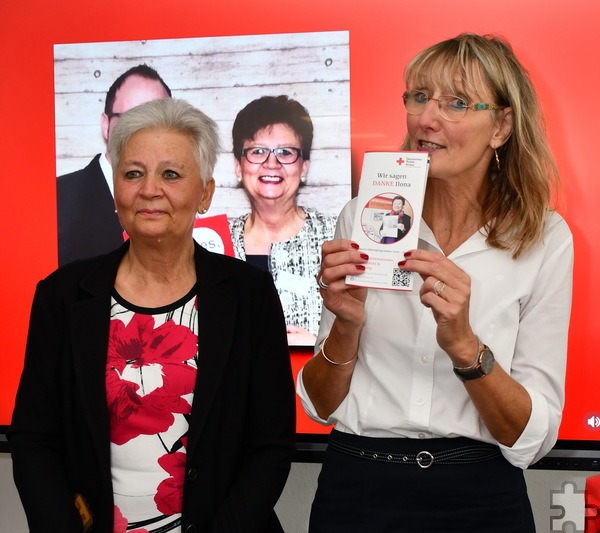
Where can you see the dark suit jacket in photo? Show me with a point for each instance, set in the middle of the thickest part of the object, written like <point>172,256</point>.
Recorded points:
<point>242,424</point>
<point>87,222</point>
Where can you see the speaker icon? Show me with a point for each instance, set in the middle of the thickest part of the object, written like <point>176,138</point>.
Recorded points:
<point>593,421</point>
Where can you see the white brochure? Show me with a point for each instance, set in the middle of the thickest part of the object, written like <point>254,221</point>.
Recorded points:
<point>388,215</point>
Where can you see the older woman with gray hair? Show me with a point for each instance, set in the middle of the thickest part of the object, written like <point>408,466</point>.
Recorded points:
<point>149,371</point>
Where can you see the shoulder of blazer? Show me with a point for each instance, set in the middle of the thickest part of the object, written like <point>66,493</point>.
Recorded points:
<point>216,269</point>
<point>92,169</point>
<point>97,275</point>
<point>82,187</point>
<point>94,276</point>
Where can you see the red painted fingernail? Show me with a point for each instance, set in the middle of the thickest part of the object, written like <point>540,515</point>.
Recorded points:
<point>354,245</point>
<point>360,267</point>
<point>407,254</point>
<point>401,263</point>
<point>364,256</point>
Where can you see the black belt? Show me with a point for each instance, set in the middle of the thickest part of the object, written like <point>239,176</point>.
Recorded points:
<point>474,453</point>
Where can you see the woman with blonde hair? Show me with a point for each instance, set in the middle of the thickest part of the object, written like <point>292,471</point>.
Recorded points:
<point>436,415</point>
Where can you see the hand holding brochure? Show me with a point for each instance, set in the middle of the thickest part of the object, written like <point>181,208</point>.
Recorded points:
<point>388,215</point>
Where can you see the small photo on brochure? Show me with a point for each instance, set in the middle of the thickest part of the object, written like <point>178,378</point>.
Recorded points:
<point>387,218</point>
<point>388,215</point>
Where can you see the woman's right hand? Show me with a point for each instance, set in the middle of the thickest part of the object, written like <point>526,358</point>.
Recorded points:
<point>327,379</point>
<point>340,258</point>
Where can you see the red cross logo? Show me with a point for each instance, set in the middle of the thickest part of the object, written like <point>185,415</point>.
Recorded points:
<point>400,161</point>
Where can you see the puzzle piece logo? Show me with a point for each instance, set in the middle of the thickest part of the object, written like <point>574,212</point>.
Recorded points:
<point>571,503</point>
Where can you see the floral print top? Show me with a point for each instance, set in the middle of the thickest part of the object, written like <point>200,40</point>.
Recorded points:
<point>150,378</point>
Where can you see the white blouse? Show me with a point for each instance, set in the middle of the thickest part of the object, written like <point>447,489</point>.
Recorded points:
<point>403,384</point>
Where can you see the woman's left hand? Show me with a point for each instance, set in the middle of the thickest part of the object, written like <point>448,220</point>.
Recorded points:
<point>503,404</point>
<point>446,290</point>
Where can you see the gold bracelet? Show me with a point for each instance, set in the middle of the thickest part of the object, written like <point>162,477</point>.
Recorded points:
<point>335,363</point>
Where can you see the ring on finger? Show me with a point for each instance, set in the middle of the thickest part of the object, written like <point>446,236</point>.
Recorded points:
<point>438,287</point>
<point>321,283</point>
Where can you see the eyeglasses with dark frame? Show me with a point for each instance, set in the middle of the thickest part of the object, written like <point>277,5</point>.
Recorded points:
<point>113,115</point>
<point>452,108</point>
<point>286,155</point>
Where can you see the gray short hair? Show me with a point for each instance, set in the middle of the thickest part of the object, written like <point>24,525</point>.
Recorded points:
<point>174,114</point>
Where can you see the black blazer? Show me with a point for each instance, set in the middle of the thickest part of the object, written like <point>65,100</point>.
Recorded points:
<point>242,425</point>
<point>87,222</point>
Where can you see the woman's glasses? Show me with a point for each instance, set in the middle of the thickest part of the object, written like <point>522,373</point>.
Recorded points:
<point>259,154</point>
<point>452,108</point>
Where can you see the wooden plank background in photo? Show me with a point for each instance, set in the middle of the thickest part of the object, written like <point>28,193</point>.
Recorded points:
<point>219,75</point>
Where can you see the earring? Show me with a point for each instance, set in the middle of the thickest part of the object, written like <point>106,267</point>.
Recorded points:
<point>202,211</point>
<point>239,178</point>
<point>497,159</point>
<point>302,179</point>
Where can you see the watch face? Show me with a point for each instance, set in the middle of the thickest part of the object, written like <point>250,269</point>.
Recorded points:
<point>486,361</point>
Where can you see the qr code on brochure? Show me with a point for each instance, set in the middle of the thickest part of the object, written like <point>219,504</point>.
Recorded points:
<point>401,278</point>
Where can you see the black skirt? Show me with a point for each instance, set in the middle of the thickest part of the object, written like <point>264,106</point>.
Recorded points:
<point>384,489</point>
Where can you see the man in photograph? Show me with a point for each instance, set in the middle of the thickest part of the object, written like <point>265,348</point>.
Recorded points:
<point>87,221</point>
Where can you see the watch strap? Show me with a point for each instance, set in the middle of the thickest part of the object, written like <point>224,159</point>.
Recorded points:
<point>475,370</point>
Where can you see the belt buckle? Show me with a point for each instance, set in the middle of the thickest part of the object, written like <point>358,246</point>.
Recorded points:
<point>424,459</point>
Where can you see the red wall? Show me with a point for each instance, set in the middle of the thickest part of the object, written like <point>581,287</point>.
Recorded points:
<point>556,40</point>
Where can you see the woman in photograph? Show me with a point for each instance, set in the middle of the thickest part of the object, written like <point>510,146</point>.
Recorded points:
<point>401,221</point>
<point>442,396</point>
<point>272,140</point>
<point>157,392</point>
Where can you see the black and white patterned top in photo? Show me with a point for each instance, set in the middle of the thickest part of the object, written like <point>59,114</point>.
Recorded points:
<point>294,264</point>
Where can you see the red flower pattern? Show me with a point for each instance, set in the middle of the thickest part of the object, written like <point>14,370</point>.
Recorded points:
<point>138,345</point>
<point>169,492</point>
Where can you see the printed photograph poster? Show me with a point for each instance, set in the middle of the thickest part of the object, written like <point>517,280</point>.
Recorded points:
<point>220,76</point>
